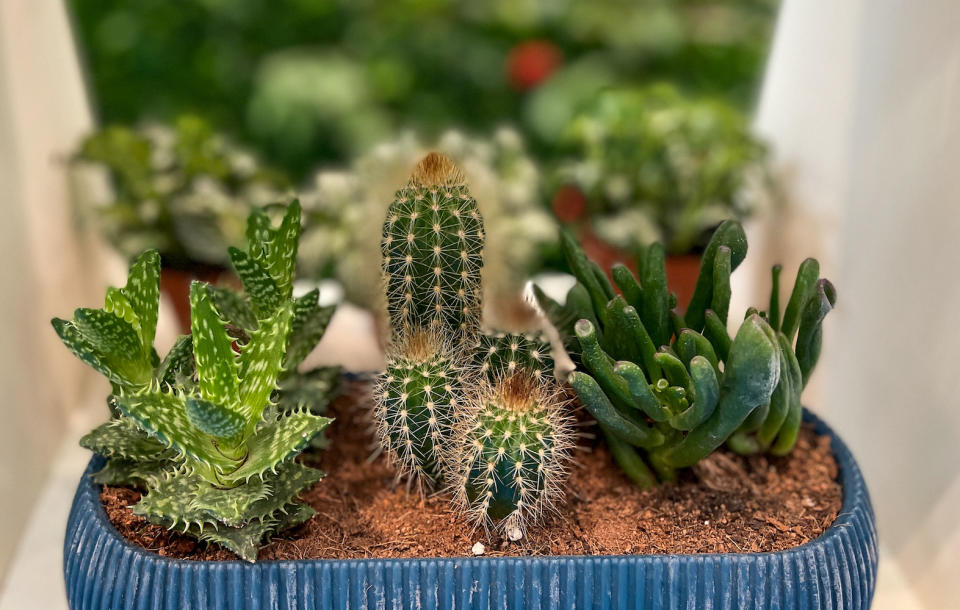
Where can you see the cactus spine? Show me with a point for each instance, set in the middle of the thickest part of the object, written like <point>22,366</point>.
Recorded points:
<point>512,454</point>
<point>433,252</point>
<point>500,354</point>
<point>416,397</point>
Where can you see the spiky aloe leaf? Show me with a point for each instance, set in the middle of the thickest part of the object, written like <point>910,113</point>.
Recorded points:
<point>233,307</point>
<point>117,303</point>
<point>246,540</point>
<point>313,390</point>
<point>143,293</point>
<point>212,350</point>
<point>82,349</point>
<point>230,506</point>
<point>216,420</point>
<point>258,499</point>
<point>178,363</point>
<point>141,474</point>
<point>163,416</point>
<point>122,438</point>
<point>170,502</point>
<point>309,323</point>
<point>281,257</point>
<point>275,443</point>
<point>116,342</point>
<point>257,282</point>
<point>260,363</point>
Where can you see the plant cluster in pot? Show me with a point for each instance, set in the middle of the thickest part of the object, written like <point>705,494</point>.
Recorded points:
<point>471,418</point>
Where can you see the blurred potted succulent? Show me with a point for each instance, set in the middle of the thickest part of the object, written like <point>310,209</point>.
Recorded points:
<point>652,165</point>
<point>474,416</point>
<point>183,191</point>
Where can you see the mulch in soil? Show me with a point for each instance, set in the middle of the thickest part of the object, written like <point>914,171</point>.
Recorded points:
<point>727,503</point>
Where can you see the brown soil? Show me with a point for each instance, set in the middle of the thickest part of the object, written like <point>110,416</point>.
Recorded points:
<point>727,503</point>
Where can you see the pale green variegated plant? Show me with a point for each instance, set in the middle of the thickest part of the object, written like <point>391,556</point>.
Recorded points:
<point>201,431</point>
<point>261,273</point>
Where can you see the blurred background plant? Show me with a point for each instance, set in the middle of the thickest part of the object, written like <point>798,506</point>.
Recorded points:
<point>353,88</point>
<point>309,81</point>
<point>652,164</point>
<point>182,190</point>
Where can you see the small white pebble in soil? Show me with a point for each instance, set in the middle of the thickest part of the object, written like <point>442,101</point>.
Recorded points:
<point>514,534</point>
<point>479,549</point>
<point>706,523</point>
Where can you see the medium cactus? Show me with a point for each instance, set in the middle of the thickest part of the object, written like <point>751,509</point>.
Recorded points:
<point>512,452</point>
<point>433,252</point>
<point>699,389</point>
<point>415,402</point>
<point>500,354</point>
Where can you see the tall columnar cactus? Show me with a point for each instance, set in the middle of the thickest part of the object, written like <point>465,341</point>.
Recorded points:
<point>668,389</point>
<point>202,435</point>
<point>500,354</point>
<point>512,453</point>
<point>416,399</point>
<point>433,252</point>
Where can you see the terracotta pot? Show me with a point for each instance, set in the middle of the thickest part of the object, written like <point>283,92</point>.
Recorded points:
<point>175,283</point>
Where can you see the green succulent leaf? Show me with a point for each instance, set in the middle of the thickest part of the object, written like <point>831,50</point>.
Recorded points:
<point>140,474</point>
<point>261,361</point>
<point>116,302</point>
<point>232,505</point>
<point>309,323</point>
<point>275,443</point>
<point>143,293</point>
<point>730,234</point>
<point>171,502</point>
<point>233,308</point>
<point>122,438</point>
<point>178,362</point>
<point>312,390</point>
<point>163,416</point>
<point>257,282</point>
<point>215,420</point>
<point>212,350</point>
<point>282,252</point>
<point>245,541</point>
<point>82,349</point>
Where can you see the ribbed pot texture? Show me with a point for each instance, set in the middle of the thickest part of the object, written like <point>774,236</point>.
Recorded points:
<point>837,570</point>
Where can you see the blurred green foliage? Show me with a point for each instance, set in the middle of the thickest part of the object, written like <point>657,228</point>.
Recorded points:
<point>312,81</point>
<point>655,165</point>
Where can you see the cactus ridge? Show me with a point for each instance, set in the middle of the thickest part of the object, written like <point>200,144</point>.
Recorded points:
<point>416,398</point>
<point>499,354</point>
<point>432,251</point>
<point>512,454</point>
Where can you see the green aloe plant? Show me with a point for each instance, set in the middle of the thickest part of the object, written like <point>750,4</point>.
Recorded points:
<point>200,431</point>
<point>668,388</point>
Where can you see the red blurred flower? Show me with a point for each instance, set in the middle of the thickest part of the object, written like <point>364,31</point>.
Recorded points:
<point>530,63</point>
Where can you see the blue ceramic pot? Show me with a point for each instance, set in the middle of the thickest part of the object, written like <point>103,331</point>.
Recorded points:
<point>837,570</point>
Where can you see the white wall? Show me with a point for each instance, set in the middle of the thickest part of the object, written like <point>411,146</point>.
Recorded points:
<point>862,102</point>
<point>46,266</point>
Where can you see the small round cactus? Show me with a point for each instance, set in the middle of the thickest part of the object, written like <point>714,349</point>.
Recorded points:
<point>511,454</point>
<point>499,354</point>
<point>433,252</point>
<point>416,398</point>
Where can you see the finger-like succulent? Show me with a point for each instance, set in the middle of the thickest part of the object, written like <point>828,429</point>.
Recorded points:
<point>203,437</point>
<point>433,251</point>
<point>669,388</point>
<point>416,399</point>
<point>511,453</point>
<point>500,354</point>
